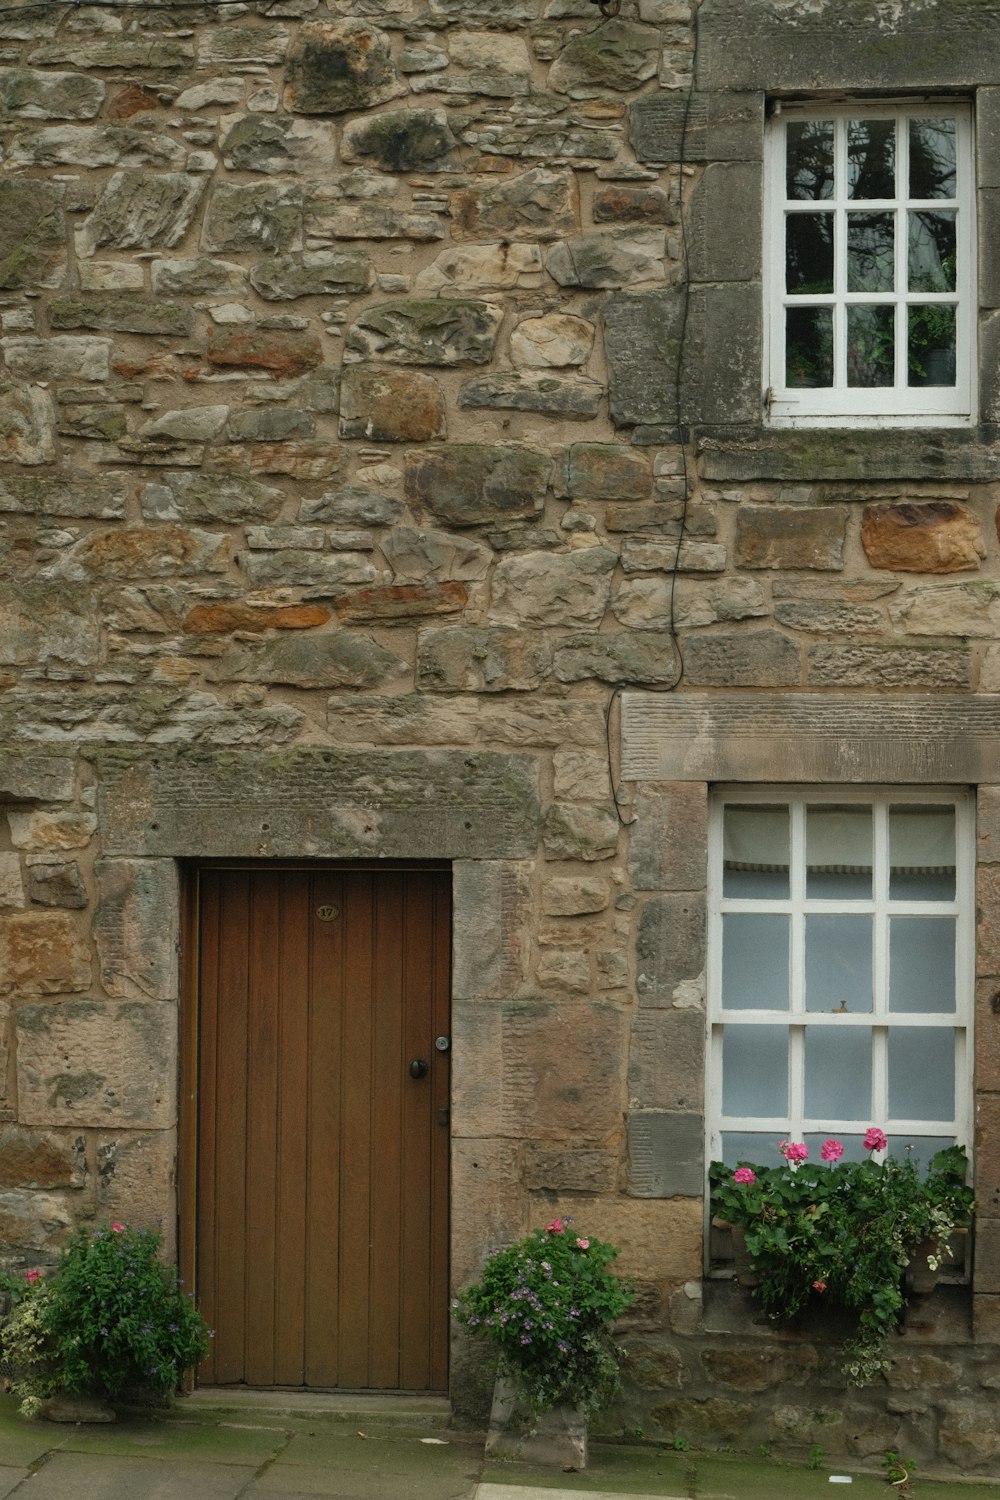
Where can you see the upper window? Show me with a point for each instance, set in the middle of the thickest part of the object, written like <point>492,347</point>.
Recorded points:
<point>841,970</point>
<point>870,272</point>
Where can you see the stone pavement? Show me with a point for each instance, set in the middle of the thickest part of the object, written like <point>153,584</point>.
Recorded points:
<point>242,1448</point>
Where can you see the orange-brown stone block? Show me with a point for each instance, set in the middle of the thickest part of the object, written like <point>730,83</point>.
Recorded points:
<point>936,536</point>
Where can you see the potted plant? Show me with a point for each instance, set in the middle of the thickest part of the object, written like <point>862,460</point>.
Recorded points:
<point>548,1304</point>
<point>110,1321</point>
<point>844,1233</point>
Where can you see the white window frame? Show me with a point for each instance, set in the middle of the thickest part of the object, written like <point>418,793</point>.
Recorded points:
<point>794,1125</point>
<point>840,405</point>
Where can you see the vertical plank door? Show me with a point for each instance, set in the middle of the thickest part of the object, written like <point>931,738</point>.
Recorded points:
<point>322,1161</point>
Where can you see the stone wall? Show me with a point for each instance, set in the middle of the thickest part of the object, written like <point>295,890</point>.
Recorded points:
<point>385,378</point>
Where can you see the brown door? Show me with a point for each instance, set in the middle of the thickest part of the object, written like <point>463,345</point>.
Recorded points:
<point>322,1161</point>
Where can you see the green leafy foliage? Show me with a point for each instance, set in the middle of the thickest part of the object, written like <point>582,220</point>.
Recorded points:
<point>547,1304</point>
<point>111,1318</point>
<point>844,1233</point>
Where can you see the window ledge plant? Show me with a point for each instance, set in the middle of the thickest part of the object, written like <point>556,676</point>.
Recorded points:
<point>548,1305</point>
<point>109,1321</point>
<point>843,1233</point>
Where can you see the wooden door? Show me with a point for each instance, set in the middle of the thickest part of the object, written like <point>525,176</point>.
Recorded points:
<point>322,1162</point>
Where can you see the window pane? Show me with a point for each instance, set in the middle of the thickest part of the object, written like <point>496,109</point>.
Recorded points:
<point>809,254</point>
<point>871,159</point>
<point>755,1071</point>
<point>839,963</point>
<point>931,255</point>
<point>871,252</point>
<point>839,852</point>
<point>749,1145</point>
<point>921,1074</point>
<point>922,853</point>
<point>920,1147</point>
<point>756,844</point>
<point>838,1073</point>
<point>870,346</point>
<point>932,158</point>
<point>921,964</point>
<point>809,144</point>
<point>755,961</point>
<point>809,346</point>
<point>931,356</point>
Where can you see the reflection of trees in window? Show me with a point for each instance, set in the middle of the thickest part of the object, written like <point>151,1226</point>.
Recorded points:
<point>810,159</point>
<point>932,159</point>
<point>871,158</point>
<point>809,253</point>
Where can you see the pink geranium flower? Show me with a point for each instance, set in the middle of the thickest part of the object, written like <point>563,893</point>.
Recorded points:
<point>583,1244</point>
<point>118,1228</point>
<point>556,1227</point>
<point>794,1151</point>
<point>745,1174</point>
<point>32,1276</point>
<point>831,1151</point>
<point>875,1139</point>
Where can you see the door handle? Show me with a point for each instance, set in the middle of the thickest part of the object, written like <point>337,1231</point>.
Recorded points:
<point>418,1068</point>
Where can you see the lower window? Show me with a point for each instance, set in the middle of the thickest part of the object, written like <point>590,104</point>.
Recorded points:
<point>841,969</point>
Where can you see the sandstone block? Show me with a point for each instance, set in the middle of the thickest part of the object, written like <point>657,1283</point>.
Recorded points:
<point>314,661</point>
<point>760,1369</point>
<point>136,1181</point>
<point>889,666</point>
<point>552,341</point>
<point>668,843</point>
<point>609,258</point>
<point>294,567</point>
<point>53,626</point>
<point>95,146</point>
<point>468,269</point>
<point>338,66</point>
<point>400,140</point>
<point>200,277</point>
<point>581,776</point>
<point>555,1172</point>
<point>468,483</point>
<point>284,354</point>
<point>32,234</point>
<point>135,928</point>
<point>11,890</point>
<point>55,883</point>
<point>191,424</point>
<point>430,332</point>
<point>253,217</point>
<point>575,831</point>
<point>49,96</point>
<point>830,619</point>
<point>121,312</point>
<point>60,358</point>
<point>543,588</point>
<point>606,471</point>
<point>763,659</point>
<point>42,953</point>
<point>97,1063</point>
<point>141,210</point>
<point>622,656</point>
<point>326,273</point>
<point>355,505</point>
<point>667,1067</point>
<point>551,1092</point>
<point>666,1154</point>
<point>479,659</point>
<point>634,205</point>
<point>988,920</point>
<point>370,221</point>
<point>50,831</point>
<point>493,901</point>
<point>33,1222</point>
<point>481,62</point>
<point>417,554</point>
<point>390,406</point>
<point>211,619</point>
<point>122,52</point>
<point>670,949</point>
<point>165,551</point>
<point>966,609</point>
<point>641,332</point>
<point>539,204</point>
<point>785,536</point>
<point>729,599</point>
<point>617,55</point>
<point>937,536</point>
<point>568,397</point>
<point>564,969</point>
<point>574,895</point>
<point>402,601</point>
<point>42,1159</point>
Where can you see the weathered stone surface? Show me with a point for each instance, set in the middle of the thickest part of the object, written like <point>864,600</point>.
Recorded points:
<point>32,234</point>
<point>317,570</point>
<point>830,619</point>
<point>269,424</point>
<point>136,1181</point>
<point>634,205</point>
<point>668,847</point>
<point>449,332</point>
<point>617,55</point>
<point>11,894</point>
<point>642,551</point>
<point>42,953</point>
<point>27,422</point>
<point>622,656</point>
<point>325,273</point>
<point>759,1369</point>
<point>275,144</point>
<point>95,146</point>
<point>97,1063</point>
<point>34,1222</point>
<point>338,66</point>
<point>937,536</point>
<point>574,895</point>
<point>283,354</point>
<point>468,483</point>
<point>207,497</point>
<point>551,141</point>
<point>401,140</point>
<point>641,332</point>
<point>253,217</point>
<point>480,660</point>
<point>369,221</point>
<point>136,928</point>
<point>56,883</point>
<point>46,830</point>
<point>197,278</point>
<point>190,424</point>
<point>552,341</point>
<point>542,588</point>
<point>566,970</point>
<point>117,52</point>
<point>761,659</point>
<point>579,775</point>
<point>120,312</point>
<point>570,397</point>
<point>606,471</point>
<point>141,210</point>
<point>419,554</point>
<point>549,1092</point>
<point>131,100</point>
<point>967,609</point>
<point>787,536</point>
<point>241,46</point>
<point>336,659</point>
<point>402,601</point>
<point>666,1149</point>
<point>963,1438</point>
<point>390,406</point>
<point>416,718</point>
<point>481,62</point>
<point>540,204</point>
<point>212,619</point>
<point>491,944</point>
<point>475,268</point>
<point>42,1159</point>
<point>47,625</point>
<point>701,603</point>
<point>144,552</point>
<point>353,506</point>
<point>572,1171</point>
<point>670,948</point>
<point>30,95</point>
<point>609,258</point>
<point>28,774</point>
<point>888,666</point>
<point>59,358</point>
<point>29,494</point>
<point>572,830</point>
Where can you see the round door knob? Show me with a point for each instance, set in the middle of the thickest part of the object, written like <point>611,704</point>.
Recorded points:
<point>418,1068</point>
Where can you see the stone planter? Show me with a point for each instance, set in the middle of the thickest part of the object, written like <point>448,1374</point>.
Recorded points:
<point>557,1438</point>
<point>742,1264</point>
<point>919,1279</point>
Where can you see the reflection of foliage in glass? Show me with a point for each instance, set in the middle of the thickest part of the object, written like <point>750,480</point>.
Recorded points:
<point>871,346</point>
<point>871,242</point>
<point>931,349</point>
<point>809,347</point>
<point>810,159</point>
<point>931,252</point>
<point>933,158</point>
<point>809,254</point>
<point>871,158</point>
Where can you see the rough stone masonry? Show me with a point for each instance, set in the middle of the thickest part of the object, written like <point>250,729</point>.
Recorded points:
<point>379,396</point>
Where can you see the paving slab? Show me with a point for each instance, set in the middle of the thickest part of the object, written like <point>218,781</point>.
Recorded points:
<point>77,1476</point>
<point>10,1479</point>
<point>520,1492</point>
<point>222,1443</point>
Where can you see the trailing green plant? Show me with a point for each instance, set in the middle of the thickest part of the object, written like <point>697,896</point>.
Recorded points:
<point>844,1232</point>
<point>548,1304</point>
<point>899,1471</point>
<point>111,1318</point>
